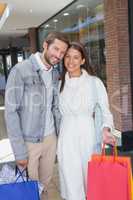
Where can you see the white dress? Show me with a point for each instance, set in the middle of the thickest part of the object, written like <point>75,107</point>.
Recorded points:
<point>77,132</point>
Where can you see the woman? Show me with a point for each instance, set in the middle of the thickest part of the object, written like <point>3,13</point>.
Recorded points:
<point>80,92</point>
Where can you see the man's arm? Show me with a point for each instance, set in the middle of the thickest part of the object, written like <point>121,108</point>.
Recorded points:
<point>13,98</point>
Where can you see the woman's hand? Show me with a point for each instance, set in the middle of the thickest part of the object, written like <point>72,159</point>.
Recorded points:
<point>108,138</point>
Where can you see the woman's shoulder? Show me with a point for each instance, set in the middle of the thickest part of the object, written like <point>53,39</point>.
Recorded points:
<point>97,79</point>
<point>96,82</point>
<point>93,78</point>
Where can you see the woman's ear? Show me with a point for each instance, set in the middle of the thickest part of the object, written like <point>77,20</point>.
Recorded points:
<point>83,61</point>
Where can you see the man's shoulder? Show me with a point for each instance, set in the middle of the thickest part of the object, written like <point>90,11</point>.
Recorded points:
<point>23,67</point>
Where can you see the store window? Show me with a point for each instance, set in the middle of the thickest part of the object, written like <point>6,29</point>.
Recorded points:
<point>2,81</point>
<point>82,21</point>
<point>2,75</point>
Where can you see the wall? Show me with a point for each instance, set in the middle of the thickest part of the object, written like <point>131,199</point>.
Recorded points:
<point>118,62</point>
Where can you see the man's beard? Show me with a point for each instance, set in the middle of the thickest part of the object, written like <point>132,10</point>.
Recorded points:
<point>47,60</point>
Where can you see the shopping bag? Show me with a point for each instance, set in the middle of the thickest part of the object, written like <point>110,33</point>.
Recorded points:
<point>26,190</point>
<point>109,177</point>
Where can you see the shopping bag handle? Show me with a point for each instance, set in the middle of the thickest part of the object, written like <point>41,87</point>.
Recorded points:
<point>114,151</point>
<point>21,173</point>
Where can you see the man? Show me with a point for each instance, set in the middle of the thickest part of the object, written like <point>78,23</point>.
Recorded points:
<point>28,109</point>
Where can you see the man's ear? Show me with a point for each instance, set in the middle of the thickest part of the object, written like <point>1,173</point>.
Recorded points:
<point>45,45</point>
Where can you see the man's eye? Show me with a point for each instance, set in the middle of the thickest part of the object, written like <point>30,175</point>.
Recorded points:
<point>56,48</point>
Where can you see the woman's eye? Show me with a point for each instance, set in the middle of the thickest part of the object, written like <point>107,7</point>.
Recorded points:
<point>76,58</point>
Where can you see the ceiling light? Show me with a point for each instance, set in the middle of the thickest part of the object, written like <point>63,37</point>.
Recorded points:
<point>47,25</point>
<point>31,11</point>
<point>66,14</point>
<point>80,6</point>
<point>55,20</point>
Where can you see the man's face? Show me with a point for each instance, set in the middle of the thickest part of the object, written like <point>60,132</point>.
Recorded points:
<point>54,52</point>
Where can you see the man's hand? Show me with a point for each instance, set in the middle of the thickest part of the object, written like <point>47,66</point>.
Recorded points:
<point>22,163</point>
<point>108,138</point>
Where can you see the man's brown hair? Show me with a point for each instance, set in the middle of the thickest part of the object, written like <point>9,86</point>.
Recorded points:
<point>56,35</point>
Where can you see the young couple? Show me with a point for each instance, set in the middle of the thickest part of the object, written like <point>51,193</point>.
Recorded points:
<point>36,99</point>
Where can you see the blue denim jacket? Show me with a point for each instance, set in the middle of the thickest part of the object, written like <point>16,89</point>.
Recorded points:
<point>25,105</point>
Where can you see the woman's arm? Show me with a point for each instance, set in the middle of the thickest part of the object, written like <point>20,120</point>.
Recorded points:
<point>107,118</point>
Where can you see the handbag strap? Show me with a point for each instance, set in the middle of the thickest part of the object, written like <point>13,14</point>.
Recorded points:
<point>21,173</point>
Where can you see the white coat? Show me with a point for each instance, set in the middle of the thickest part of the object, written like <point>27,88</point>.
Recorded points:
<point>77,139</point>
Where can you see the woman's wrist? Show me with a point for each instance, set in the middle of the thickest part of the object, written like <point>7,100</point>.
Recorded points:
<point>107,129</point>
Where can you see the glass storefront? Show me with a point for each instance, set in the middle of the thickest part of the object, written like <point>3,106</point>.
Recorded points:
<point>2,75</point>
<point>2,81</point>
<point>82,21</point>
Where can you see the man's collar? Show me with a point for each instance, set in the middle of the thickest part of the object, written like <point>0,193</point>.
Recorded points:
<point>40,63</point>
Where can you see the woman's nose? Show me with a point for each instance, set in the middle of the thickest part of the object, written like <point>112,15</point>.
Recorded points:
<point>70,60</point>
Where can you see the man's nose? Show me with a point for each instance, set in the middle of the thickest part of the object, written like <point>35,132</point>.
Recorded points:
<point>59,55</point>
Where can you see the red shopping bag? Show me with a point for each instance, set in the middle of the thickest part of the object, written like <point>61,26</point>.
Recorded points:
<point>109,178</point>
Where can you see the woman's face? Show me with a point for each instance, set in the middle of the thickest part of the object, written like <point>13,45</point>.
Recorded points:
<point>72,60</point>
